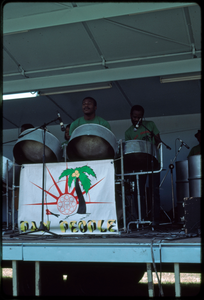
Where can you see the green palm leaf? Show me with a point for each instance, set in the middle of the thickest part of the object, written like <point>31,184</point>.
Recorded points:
<point>67,172</point>
<point>85,182</point>
<point>88,170</point>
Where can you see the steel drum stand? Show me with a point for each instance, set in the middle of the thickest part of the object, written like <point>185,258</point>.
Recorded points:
<point>7,194</point>
<point>153,135</point>
<point>7,201</point>
<point>139,221</point>
<point>42,226</point>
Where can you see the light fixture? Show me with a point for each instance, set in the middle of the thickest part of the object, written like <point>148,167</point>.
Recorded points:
<point>180,77</point>
<point>20,95</point>
<point>77,88</point>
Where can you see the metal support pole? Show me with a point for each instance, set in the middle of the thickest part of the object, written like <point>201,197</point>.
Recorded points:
<point>138,197</point>
<point>43,180</point>
<point>150,280</point>
<point>152,166</point>
<point>65,156</point>
<point>14,280</point>
<point>177,280</point>
<point>122,185</point>
<point>7,196</point>
<point>13,196</point>
<point>64,152</point>
<point>37,278</point>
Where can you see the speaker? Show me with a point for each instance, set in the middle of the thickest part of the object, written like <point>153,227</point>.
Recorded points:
<point>192,211</point>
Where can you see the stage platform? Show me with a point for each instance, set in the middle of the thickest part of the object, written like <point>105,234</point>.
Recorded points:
<point>166,246</point>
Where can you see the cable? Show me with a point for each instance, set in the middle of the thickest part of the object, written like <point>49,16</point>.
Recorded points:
<point>155,269</point>
<point>160,265</point>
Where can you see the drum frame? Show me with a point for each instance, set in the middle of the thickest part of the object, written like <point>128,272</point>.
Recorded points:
<point>12,189</point>
<point>142,172</point>
<point>123,174</point>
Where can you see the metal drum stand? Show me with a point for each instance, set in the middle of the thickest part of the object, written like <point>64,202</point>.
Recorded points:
<point>139,220</point>
<point>10,172</point>
<point>123,174</point>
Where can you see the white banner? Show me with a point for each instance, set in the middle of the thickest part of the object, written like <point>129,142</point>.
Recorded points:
<point>79,198</point>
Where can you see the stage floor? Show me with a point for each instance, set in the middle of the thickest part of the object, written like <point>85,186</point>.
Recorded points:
<point>166,244</point>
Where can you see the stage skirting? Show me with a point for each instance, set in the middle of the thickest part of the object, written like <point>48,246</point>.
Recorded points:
<point>79,198</point>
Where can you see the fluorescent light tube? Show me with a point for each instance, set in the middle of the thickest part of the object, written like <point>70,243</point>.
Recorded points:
<point>20,95</point>
<point>77,88</point>
<point>180,77</point>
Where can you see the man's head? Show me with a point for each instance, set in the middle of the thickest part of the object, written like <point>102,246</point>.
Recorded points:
<point>26,126</point>
<point>89,106</point>
<point>136,113</point>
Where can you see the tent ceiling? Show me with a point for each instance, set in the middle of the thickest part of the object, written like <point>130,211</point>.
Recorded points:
<point>49,47</point>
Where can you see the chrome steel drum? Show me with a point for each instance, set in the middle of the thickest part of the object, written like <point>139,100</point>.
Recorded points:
<point>182,183</point>
<point>29,148</point>
<point>182,186</point>
<point>194,171</point>
<point>91,142</point>
<point>138,156</point>
<point>9,173</point>
<point>4,171</point>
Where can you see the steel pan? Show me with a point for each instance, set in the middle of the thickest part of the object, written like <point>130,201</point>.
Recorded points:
<point>9,173</point>
<point>138,156</point>
<point>182,183</point>
<point>29,148</point>
<point>4,171</point>
<point>182,186</point>
<point>194,171</point>
<point>91,142</point>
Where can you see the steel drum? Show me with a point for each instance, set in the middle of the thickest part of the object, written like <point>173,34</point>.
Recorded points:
<point>4,171</point>
<point>91,142</point>
<point>182,187</point>
<point>29,148</point>
<point>194,171</point>
<point>9,173</point>
<point>137,157</point>
<point>182,183</point>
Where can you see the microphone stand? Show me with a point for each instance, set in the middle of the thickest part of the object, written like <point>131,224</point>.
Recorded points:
<point>171,166</point>
<point>152,166</point>
<point>154,135</point>
<point>42,227</point>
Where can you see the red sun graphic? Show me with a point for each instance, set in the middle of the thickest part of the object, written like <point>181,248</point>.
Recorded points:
<point>65,201</point>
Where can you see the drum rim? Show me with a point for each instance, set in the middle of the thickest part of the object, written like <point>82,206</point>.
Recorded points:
<point>77,133</point>
<point>29,137</point>
<point>50,141</point>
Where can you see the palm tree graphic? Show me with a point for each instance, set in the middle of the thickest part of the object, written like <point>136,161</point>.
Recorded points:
<point>76,175</point>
